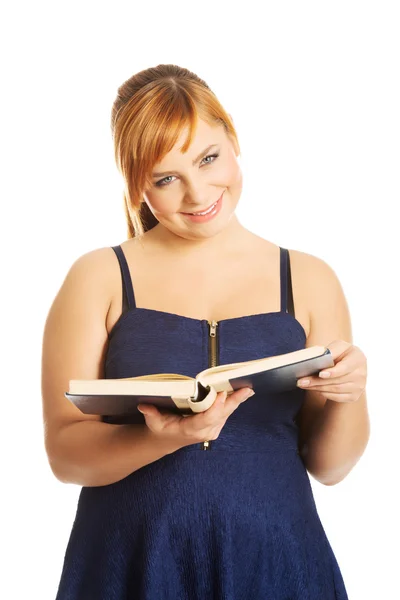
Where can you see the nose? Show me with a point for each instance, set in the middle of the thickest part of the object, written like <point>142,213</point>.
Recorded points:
<point>197,200</point>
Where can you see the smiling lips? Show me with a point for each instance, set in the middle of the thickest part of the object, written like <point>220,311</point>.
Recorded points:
<point>204,212</point>
<point>207,215</point>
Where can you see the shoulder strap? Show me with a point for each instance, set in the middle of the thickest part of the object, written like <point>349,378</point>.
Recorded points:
<point>286,283</point>
<point>127,289</point>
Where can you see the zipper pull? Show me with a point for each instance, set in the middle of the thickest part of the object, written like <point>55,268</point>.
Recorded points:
<point>213,328</point>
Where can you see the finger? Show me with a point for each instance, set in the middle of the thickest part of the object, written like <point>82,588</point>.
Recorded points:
<point>318,382</point>
<point>338,388</point>
<point>214,418</point>
<point>239,396</point>
<point>224,405</point>
<point>235,398</point>
<point>351,361</point>
<point>208,416</point>
<point>148,409</point>
<point>152,416</point>
<point>204,421</point>
<point>340,370</point>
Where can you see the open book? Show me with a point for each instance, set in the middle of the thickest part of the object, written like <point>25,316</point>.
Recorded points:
<point>187,395</point>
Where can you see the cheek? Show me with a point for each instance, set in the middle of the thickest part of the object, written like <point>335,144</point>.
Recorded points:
<point>162,204</point>
<point>231,173</point>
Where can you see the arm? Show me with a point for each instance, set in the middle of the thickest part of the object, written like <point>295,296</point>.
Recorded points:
<point>333,435</point>
<point>81,448</point>
<point>92,453</point>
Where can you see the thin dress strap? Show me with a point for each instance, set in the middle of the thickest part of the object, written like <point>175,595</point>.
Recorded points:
<point>128,296</point>
<point>286,283</point>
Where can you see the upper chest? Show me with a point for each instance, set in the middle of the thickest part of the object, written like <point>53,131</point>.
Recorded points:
<point>216,289</point>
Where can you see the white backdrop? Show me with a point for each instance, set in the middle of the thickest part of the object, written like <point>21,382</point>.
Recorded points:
<point>313,89</point>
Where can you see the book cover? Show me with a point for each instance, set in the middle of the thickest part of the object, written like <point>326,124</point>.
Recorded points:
<point>117,399</point>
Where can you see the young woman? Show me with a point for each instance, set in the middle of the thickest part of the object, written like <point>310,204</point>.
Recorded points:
<point>217,505</point>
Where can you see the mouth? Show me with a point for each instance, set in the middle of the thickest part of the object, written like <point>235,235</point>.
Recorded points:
<point>206,210</point>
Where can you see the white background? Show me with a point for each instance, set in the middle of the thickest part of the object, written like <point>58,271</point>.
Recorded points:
<point>313,88</point>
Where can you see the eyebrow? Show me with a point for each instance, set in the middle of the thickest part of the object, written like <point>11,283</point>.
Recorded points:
<point>193,162</point>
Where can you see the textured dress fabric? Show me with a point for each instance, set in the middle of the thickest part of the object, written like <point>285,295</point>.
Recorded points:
<point>237,521</point>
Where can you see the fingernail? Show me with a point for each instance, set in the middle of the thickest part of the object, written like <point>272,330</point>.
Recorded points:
<point>325,374</point>
<point>140,410</point>
<point>251,393</point>
<point>304,382</point>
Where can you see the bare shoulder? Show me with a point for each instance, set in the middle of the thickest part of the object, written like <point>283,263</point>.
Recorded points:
<point>309,261</point>
<point>318,278</point>
<point>96,273</point>
<point>89,278</point>
<point>97,266</point>
<point>305,262</point>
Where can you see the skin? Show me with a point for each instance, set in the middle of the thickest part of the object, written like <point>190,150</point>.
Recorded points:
<point>174,256</point>
<point>333,421</point>
<point>194,190</point>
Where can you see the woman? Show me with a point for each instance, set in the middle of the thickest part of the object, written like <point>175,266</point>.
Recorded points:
<point>219,504</point>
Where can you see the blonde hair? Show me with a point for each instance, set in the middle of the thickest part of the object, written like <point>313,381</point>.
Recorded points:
<point>148,115</point>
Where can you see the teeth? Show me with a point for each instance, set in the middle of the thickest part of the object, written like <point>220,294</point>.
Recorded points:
<point>207,211</point>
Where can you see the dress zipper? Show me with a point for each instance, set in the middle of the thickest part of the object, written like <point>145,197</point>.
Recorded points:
<point>212,362</point>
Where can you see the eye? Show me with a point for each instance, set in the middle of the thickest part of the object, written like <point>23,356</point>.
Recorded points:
<point>211,156</point>
<point>160,182</point>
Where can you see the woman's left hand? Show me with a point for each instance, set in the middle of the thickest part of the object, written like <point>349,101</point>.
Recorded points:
<point>348,377</point>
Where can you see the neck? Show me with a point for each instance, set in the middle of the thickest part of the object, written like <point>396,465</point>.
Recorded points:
<point>228,240</point>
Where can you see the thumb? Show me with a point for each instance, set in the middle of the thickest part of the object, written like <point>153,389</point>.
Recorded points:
<point>147,410</point>
<point>150,413</point>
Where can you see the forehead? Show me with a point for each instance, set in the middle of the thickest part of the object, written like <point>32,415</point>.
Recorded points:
<point>203,135</point>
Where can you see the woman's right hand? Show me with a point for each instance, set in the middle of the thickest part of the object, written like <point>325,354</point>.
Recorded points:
<point>194,428</point>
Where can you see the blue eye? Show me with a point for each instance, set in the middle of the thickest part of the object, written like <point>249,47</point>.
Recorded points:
<point>160,182</point>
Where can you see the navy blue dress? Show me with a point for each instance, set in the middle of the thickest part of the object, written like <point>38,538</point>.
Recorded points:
<point>234,521</point>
